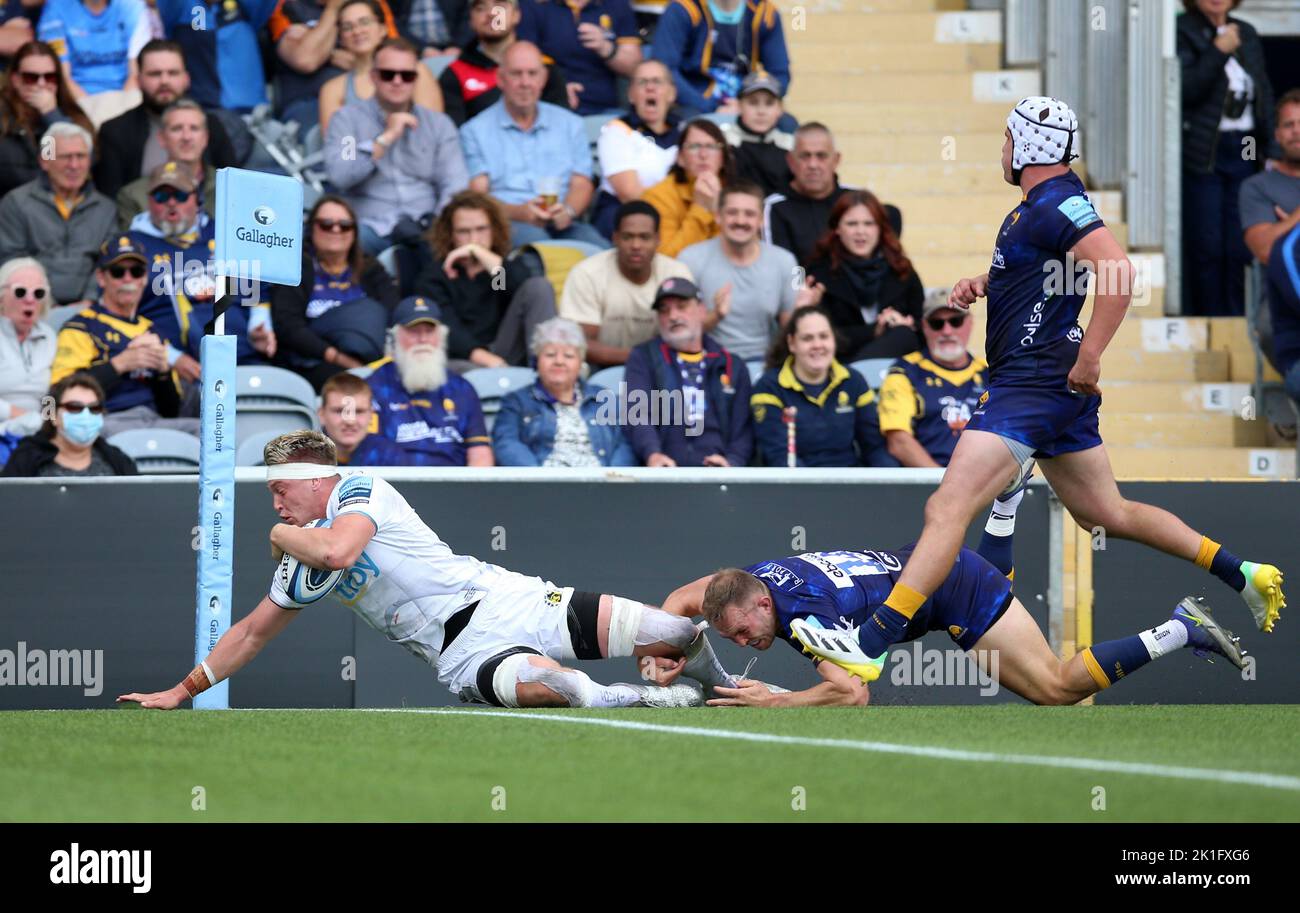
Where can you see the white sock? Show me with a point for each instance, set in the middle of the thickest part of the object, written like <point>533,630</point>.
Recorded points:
<point>1002,518</point>
<point>1168,637</point>
<point>612,696</point>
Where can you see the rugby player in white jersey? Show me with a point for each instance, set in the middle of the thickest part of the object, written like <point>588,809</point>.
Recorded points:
<point>493,636</point>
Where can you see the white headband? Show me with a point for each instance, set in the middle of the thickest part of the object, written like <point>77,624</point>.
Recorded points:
<point>299,471</point>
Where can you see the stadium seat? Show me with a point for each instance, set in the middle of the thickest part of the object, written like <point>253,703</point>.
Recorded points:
<point>58,316</point>
<point>249,452</point>
<point>388,260</point>
<point>272,399</point>
<point>584,247</point>
<point>437,64</point>
<point>873,369</point>
<point>493,384</point>
<point>756,369</point>
<point>609,378</point>
<point>362,372</point>
<point>720,118</point>
<point>159,451</point>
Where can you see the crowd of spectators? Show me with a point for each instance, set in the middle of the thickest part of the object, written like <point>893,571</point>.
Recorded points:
<point>515,184</point>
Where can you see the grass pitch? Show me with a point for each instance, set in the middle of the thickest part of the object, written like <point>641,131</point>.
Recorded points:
<point>959,764</point>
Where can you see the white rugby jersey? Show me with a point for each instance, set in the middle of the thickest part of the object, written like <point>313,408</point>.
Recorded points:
<point>407,582</point>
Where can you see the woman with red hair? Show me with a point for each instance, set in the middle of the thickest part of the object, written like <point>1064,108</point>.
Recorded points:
<point>872,293</point>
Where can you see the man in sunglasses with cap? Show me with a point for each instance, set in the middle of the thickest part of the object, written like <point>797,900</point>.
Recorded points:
<point>928,396</point>
<point>120,349</point>
<point>396,162</point>
<point>178,241</point>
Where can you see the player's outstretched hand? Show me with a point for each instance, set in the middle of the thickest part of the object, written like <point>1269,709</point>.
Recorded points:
<point>159,700</point>
<point>749,694</point>
<point>965,292</point>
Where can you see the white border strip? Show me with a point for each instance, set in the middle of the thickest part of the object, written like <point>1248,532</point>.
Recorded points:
<point>1162,771</point>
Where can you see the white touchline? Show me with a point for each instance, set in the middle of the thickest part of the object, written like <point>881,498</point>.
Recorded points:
<point>1243,777</point>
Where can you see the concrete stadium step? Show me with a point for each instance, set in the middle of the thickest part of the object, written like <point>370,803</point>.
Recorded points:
<point>904,27</point>
<point>876,6</point>
<point>971,209</point>
<point>916,148</point>
<point>1230,335</point>
<point>947,240</point>
<point>946,269</point>
<point>1127,364</point>
<point>895,116</point>
<point>923,57</point>
<point>1180,429</point>
<point>1157,334</point>
<point>946,178</point>
<point>1202,463</point>
<point>917,87</point>
<point>1170,396</point>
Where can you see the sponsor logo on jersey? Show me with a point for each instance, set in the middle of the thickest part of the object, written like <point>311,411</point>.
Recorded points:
<point>1033,324</point>
<point>1078,209</point>
<point>780,575</point>
<point>355,490</point>
<point>554,597</point>
<point>1075,334</point>
<point>999,262</point>
<point>356,580</point>
<point>956,631</point>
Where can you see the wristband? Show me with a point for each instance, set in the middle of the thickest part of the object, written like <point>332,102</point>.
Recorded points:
<point>613,49</point>
<point>199,680</point>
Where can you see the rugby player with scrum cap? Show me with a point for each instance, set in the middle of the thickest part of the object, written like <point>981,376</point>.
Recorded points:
<point>493,636</point>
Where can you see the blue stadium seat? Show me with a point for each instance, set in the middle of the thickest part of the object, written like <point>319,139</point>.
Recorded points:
<point>756,369</point>
<point>873,369</point>
<point>494,384</point>
<point>159,451</point>
<point>437,64</point>
<point>272,399</point>
<point>609,378</point>
<point>362,372</point>
<point>250,450</point>
<point>58,316</point>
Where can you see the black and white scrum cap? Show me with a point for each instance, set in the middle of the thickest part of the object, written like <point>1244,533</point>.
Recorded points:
<point>1042,133</point>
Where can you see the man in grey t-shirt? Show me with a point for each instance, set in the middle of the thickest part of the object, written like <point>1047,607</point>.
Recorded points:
<point>1270,200</point>
<point>753,286</point>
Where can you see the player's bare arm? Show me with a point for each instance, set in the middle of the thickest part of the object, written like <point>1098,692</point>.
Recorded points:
<point>333,547</point>
<point>687,600</point>
<point>840,689</point>
<point>233,651</point>
<point>1113,273</point>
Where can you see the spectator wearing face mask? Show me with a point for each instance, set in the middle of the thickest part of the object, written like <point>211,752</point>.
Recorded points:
<point>71,442</point>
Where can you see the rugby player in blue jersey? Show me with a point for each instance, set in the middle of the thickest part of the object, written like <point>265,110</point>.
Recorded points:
<point>1043,394</point>
<point>819,602</point>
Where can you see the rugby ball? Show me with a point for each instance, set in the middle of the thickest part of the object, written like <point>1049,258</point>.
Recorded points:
<point>303,584</point>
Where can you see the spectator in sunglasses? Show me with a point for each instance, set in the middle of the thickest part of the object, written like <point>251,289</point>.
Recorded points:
<point>32,98</point>
<point>120,349</point>
<point>70,441</point>
<point>184,137</point>
<point>178,238</point>
<point>361,31</point>
<point>59,218</point>
<point>337,318</point>
<point>26,345</point>
<point>398,163</point>
<point>867,283</point>
<point>928,396</point>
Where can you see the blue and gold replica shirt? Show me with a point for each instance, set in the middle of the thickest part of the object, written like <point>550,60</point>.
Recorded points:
<point>841,590</point>
<point>930,402</point>
<point>434,427</point>
<point>1035,292</point>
